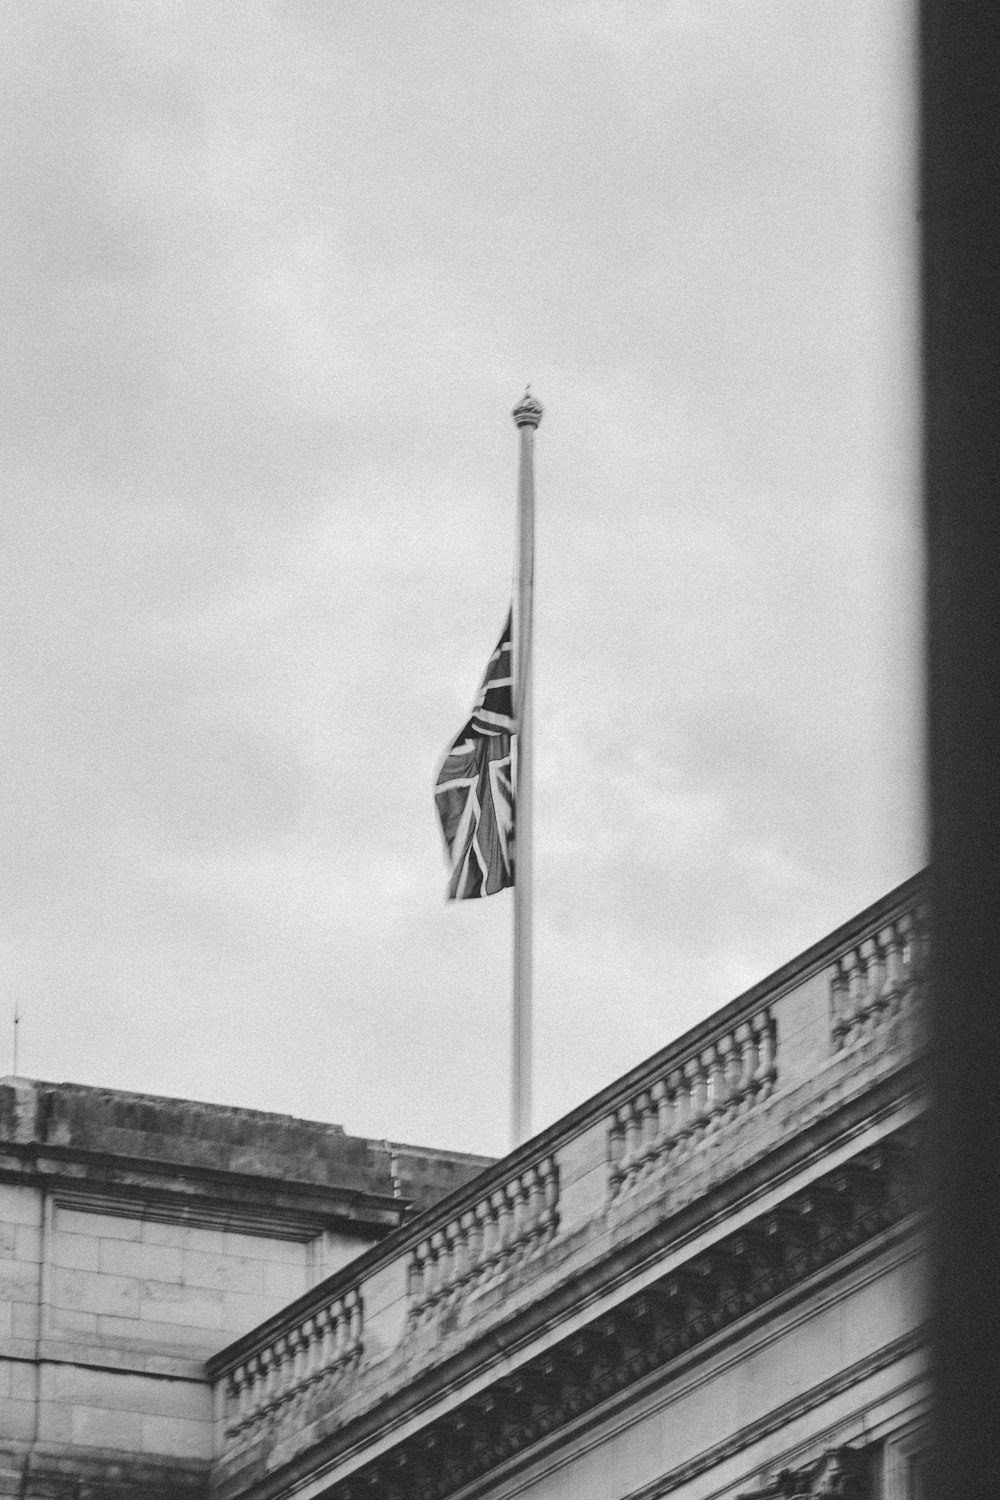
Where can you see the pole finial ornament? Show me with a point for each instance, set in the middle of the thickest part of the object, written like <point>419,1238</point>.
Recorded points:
<point>528,411</point>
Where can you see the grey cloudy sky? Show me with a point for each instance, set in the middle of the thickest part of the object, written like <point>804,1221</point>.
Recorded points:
<point>273,275</point>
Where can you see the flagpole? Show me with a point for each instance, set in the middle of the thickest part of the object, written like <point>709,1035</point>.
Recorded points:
<point>527,414</point>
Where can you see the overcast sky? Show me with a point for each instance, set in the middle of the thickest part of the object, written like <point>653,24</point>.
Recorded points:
<point>273,276</point>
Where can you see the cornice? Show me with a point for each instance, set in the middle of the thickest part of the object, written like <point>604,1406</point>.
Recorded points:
<point>65,1472</point>
<point>113,1184</point>
<point>851,1376</point>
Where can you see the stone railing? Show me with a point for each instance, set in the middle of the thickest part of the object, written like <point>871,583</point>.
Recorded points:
<point>878,978</point>
<point>310,1356</point>
<point>505,1238</point>
<point>693,1098</point>
<point>501,1230</point>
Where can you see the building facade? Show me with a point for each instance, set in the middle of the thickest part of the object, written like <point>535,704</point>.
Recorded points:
<point>140,1235</point>
<point>707,1281</point>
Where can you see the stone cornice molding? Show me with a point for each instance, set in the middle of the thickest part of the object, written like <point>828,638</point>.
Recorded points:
<point>212,1197</point>
<point>916,1342</point>
<point>62,1472</point>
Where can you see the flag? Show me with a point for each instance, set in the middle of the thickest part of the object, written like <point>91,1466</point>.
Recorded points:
<point>474,792</point>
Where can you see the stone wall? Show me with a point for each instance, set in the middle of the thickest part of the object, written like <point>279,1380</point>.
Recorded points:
<point>138,1236</point>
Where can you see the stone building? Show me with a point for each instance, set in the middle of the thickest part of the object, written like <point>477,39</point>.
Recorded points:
<point>704,1282</point>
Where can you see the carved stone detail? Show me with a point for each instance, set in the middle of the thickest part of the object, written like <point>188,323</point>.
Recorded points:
<point>838,1474</point>
<point>879,981</point>
<point>496,1235</point>
<point>657,1129</point>
<point>810,1230</point>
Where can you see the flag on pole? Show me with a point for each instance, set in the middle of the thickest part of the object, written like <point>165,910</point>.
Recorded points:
<point>474,792</point>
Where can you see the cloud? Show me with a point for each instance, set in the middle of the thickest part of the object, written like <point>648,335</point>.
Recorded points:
<point>274,277</point>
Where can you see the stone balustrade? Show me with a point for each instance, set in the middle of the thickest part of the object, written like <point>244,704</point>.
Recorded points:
<point>695,1097</point>
<point>878,978</point>
<point>309,1356</point>
<point>501,1230</point>
<point>719,1096</point>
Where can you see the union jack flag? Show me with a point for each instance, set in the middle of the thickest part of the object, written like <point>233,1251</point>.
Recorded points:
<point>474,792</point>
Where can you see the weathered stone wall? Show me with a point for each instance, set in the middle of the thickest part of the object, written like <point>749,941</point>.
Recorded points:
<point>138,1236</point>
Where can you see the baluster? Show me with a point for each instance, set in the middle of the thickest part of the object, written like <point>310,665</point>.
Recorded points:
<point>536,1205</point>
<point>293,1365</point>
<point>502,1206</point>
<point>911,947</point>
<point>460,1255</point>
<point>650,1130</point>
<point>746,1041</point>
<point>442,1264</point>
<point>491,1237</point>
<point>424,1275</point>
<point>320,1345</point>
<point>839,1004</point>
<point>660,1095</point>
<point>234,1400</point>
<point>633,1140</point>
<point>252,1389</point>
<point>644,1112</point>
<point>892,989</point>
<point>453,1248</point>
<point>341,1320</point>
<point>733,1073</point>
<point>480,1251</point>
<point>415,1278</point>
<point>324,1343</point>
<point>245,1410</point>
<point>454,1240</point>
<point>680,1087</point>
<point>912,957</point>
<point>307,1332</point>
<point>283,1366</point>
<point>354,1309</point>
<point>876,978</point>
<point>767,1050</point>
<point>857,996</point>
<point>695,1072</point>
<point>310,1354</point>
<point>869,967</point>
<point>715,1096</point>
<point>465,1226</point>
<point>257,1367</point>
<point>246,1407</point>
<point>616,1150</point>
<point>921,954</point>
<point>550,1183</point>
<point>523,1211</point>
<point>519,1198</point>
<point>270,1360</point>
<point>304,1364</point>
<point>922,935</point>
<point>476,1242</point>
<point>428,1271</point>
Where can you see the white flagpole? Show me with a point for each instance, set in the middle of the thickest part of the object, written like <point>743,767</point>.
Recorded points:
<point>527,414</point>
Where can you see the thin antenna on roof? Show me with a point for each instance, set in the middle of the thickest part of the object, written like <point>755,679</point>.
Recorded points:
<point>17,1022</point>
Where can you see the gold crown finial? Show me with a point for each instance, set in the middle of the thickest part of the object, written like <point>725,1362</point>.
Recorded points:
<point>528,411</point>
